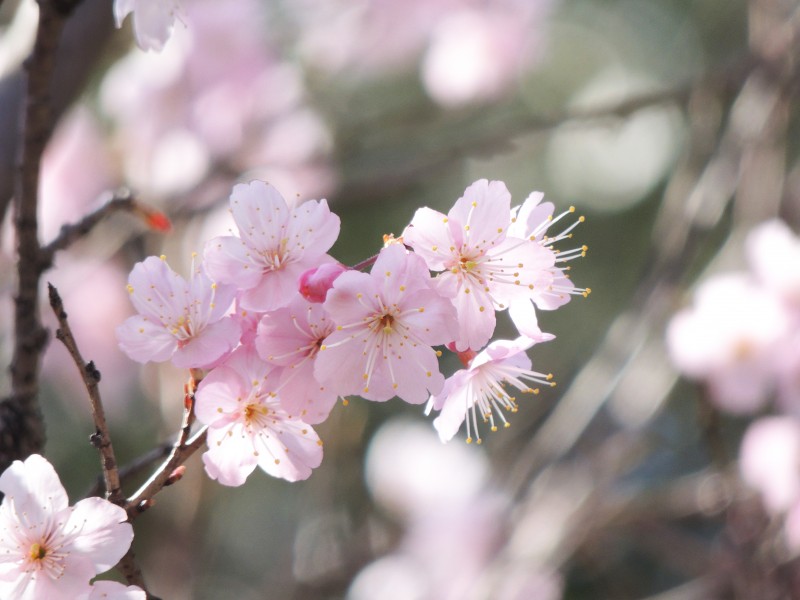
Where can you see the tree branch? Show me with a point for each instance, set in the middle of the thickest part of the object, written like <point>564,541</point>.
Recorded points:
<point>101,439</point>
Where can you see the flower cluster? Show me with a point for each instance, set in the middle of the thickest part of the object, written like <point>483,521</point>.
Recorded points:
<point>741,339</point>
<point>51,550</point>
<point>283,330</point>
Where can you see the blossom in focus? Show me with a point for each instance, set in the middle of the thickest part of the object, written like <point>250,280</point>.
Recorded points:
<point>482,268</point>
<point>479,390</point>
<point>51,550</point>
<point>731,338</point>
<point>387,322</point>
<point>152,20</point>
<point>532,220</point>
<point>276,245</point>
<point>180,321</point>
<point>248,426</point>
<point>291,338</point>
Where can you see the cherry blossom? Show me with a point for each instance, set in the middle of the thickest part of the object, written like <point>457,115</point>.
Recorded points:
<point>152,20</point>
<point>276,245</point>
<point>291,337</point>
<point>483,268</point>
<point>480,388</point>
<point>731,339</point>
<point>248,426</point>
<point>532,220</point>
<point>387,322</point>
<point>51,550</point>
<point>178,320</point>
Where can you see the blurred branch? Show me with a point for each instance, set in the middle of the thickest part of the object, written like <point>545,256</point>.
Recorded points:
<point>101,439</point>
<point>121,200</point>
<point>476,131</point>
<point>86,32</point>
<point>21,421</point>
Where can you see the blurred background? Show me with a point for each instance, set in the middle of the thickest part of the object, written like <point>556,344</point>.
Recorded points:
<point>671,125</point>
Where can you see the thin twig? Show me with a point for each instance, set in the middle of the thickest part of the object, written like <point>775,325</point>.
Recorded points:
<point>69,234</point>
<point>101,439</point>
<point>138,465</point>
<point>183,448</point>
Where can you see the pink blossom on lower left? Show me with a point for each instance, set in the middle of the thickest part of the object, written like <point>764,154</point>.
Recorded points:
<point>51,550</point>
<point>248,426</point>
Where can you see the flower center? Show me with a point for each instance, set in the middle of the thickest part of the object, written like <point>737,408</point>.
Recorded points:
<point>38,552</point>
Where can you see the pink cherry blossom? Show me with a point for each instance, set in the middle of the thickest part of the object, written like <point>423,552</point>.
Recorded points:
<point>291,338</point>
<point>479,389</point>
<point>387,322</point>
<point>769,461</point>
<point>731,339</point>
<point>248,426</point>
<point>49,549</point>
<point>483,269</point>
<point>773,251</point>
<point>152,20</point>
<point>178,320</point>
<point>276,244</point>
<point>532,220</point>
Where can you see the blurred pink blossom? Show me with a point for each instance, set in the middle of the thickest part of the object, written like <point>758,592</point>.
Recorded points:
<point>769,461</point>
<point>731,339</point>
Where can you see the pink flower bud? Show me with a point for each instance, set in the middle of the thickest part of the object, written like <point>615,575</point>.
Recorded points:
<point>315,283</point>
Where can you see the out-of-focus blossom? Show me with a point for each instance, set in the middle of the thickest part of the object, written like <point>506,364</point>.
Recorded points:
<point>213,104</point>
<point>731,339</point>
<point>180,321</point>
<point>475,55</point>
<point>291,338</point>
<point>51,550</point>
<point>769,461</point>
<point>773,251</point>
<point>248,426</point>
<point>455,525</point>
<point>409,471</point>
<point>482,269</point>
<point>387,322</point>
<point>152,20</point>
<point>480,389</point>
<point>469,51</point>
<point>275,246</point>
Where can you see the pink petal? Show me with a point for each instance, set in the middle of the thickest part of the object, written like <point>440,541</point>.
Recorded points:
<point>290,454</point>
<point>230,457</point>
<point>484,211</point>
<point>145,341</point>
<point>104,535</point>
<point>35,488</point>
<point>429,236</point>
<point>213,342</point>
<point>229,260</point>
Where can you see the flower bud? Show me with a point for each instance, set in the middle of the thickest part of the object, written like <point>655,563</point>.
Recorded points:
<point>315,283</point>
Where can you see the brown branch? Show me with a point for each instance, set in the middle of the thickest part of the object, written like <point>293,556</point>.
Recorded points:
<point>21,424</point>
<point>121,200</point>
<point>101,439</point>
<point>183,448</point>
<point>133,468</point>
